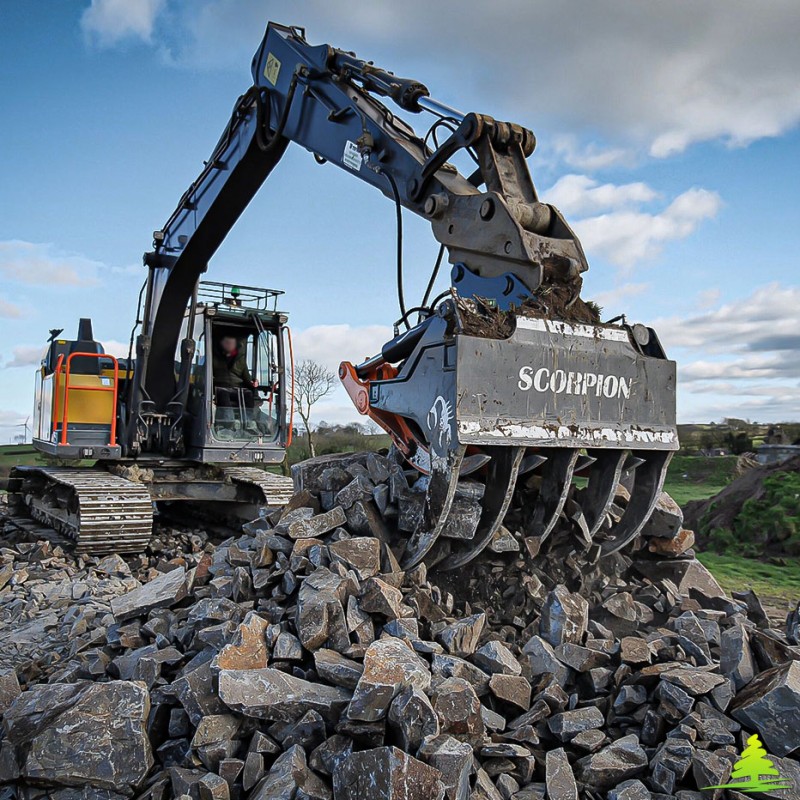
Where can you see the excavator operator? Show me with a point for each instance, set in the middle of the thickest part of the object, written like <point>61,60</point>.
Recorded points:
<point>233,386</point>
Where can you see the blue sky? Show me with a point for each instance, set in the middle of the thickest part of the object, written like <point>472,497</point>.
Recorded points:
<point>668,135</point>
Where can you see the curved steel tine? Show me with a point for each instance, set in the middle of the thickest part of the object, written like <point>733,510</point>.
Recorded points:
<point>473,463</point>
<point>584,462</point>
<point>529,463</point>
<point>601,489</point>
<point>500,485</point>
<point>442,486</point>
<point>556,480</point>
<point>647,486</point>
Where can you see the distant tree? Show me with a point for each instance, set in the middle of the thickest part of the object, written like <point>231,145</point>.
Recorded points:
<point>312,382</point>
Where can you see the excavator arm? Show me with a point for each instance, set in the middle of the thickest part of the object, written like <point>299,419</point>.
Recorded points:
<point>327,101</point>
<point>512,374</point>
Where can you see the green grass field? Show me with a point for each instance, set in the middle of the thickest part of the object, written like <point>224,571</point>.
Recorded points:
<point>769,581</point>
<point>697,477</point>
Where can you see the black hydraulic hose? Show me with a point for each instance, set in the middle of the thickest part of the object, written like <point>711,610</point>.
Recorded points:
<point>399,210</point>
<point>434,275</point>
<point>262,118</point>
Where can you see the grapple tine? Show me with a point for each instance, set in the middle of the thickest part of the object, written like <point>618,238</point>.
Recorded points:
<point>647,485</point>
<point>583,463</point>
<point>531,462</point>
<point>473,463</point>
<point>556,480</point>
<point>442,486</point>
<point>603,481</point>
<point>500,485</point>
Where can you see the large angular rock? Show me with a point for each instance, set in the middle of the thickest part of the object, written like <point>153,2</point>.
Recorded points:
<point>543,661</point>
<point>495,657</point>
<point>320,617</point>
<point>559,776</point>
<point>666,520</point>
<point>336,669</point>
<point>565,617</point>
<point>736,657</point>
<point>9,688</point>
<point>162,592</point>
<point>290,778</point>
<point>453,759</point>
<point>317,525</point>
<point>390,665</point>
<point>770,705</point>
<point>386,773</point>
<point>615,763</point>
<point>83,734</point>
<point>361,553</point>
<point>459,710</point>
<point>248,648</point>
<point>270,694</point>
<point>568,724</point>
<point>412,716</point>
<point>461,637</point>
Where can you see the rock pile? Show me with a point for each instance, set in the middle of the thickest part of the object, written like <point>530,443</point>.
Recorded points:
<point>298,661</point>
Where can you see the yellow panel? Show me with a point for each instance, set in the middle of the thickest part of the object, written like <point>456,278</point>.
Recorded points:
<point>86,407</point>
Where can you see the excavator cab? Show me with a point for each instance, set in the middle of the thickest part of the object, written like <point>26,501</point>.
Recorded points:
<point>238,407</point>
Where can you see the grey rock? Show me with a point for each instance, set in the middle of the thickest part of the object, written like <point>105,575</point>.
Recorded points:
<point>710,769</point>
<point>495,657</point>
<point>320,617</point>
<point>634,650</point>
<point>542,660</point>
<point>565,617</point>
<point>9,689</point>
<point>390,665</point>
<point>337,669</point>
<point>695,682</point>
<point>386,773</point>
<point>770,705</point>
<point>287,648</point>
<point>333,751</point>
<point>459,710</point>
<point>270,694</point>
<point>453,760</point>
<point>289,778</point>
<point>512,689</point>
<point>215,728</point>
<point>360,488</point>
<point>449,666</point>
<point>559,776</point>
<point>412,716</point>
<point>581,659</point>
<point>666,520</point>
<point>630,790</point>
<point>461,638</point>
<point>615,763</point>
<point>361,553</point>
<point>318,525</point>
<point>736,657</point>
<point>378,597</point>
<point>629,698</point>
<point>162,592</point>
<point>568,724</point>
<point>213,787</point>
<point>83,734</point>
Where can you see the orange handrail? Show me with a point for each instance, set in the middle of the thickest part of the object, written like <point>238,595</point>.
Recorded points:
<point>291,397</point>
<point>55,391</point>
<point>112,436</point>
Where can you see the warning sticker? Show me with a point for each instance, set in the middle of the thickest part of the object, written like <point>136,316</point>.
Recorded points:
<point>352,158</point>
<point>272,68</point>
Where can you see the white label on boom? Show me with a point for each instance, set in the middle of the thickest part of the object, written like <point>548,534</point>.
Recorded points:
<point>352,157</point>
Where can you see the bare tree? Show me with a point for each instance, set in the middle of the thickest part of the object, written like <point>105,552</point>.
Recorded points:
<point>312,382</point>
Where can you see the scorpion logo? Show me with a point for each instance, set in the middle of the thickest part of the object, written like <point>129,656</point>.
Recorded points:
<point>439,418</point>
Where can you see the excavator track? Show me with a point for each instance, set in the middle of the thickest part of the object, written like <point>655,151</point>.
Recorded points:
<point>277,489</point>
<point>102,513</point>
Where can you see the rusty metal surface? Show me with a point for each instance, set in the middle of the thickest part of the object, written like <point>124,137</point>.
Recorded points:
<point>556,384</point>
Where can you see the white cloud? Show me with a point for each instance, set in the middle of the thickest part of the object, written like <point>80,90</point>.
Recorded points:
<point>9,310</point>
<point>610,300</point>
<point>745,355</point>
<point>107,22</point>
<point>332,344</point>
<point>580,194</point>
<point>43,265</point>
<point>655,76</point>
<point>25,355</point>
<point>589,157</point>
<point>626,237</point>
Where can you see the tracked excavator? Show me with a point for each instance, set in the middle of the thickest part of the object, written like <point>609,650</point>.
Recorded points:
<point>508,374</point>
